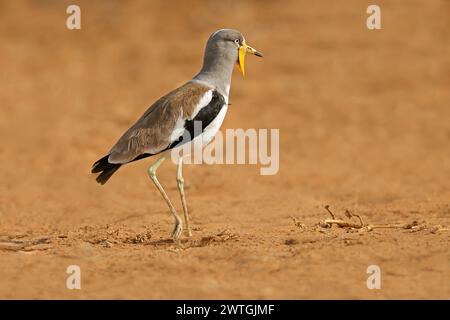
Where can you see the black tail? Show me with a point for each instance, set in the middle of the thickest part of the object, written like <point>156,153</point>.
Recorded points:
<point>107,169</point>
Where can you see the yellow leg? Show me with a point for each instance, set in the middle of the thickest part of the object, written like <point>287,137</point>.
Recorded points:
<point>180,181</point>
<point>178,224</point>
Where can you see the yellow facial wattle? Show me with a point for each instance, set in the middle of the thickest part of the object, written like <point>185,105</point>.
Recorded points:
<point>243,50</point>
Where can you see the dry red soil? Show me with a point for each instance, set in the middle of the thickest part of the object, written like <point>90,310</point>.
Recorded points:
<point>364,119</point>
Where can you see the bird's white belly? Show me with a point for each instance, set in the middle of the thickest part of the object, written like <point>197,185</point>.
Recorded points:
<point>204,138</point>
<point>212,129</point>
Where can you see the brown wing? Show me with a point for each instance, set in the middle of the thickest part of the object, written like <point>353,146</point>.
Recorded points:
<point>152,132</point>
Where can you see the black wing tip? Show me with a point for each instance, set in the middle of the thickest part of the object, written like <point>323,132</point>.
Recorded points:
<point>100,181</point>
<point>105,168</point>
<point>104,176</point>
<point>100,164</point>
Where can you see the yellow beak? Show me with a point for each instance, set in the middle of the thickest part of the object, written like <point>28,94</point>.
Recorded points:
<point>243,50</point>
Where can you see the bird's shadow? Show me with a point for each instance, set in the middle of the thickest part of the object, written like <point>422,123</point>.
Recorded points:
<point>194,242</point>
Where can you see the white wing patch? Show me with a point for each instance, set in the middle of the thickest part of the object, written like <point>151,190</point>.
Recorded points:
<point>204,101</point>
<point>179,125</point>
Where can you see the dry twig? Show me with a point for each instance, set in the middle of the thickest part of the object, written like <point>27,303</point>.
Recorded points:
<point>327,223</point>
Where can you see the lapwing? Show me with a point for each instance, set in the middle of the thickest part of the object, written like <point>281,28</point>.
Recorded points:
<point>166,124</point>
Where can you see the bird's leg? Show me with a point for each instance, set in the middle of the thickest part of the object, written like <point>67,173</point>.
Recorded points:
<point>152,173</point>
<point>180,181</point>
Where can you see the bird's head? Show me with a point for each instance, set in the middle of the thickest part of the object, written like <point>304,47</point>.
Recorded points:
<point>231,44</point>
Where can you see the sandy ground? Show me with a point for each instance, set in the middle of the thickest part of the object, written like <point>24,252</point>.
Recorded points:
<point>364,119</point>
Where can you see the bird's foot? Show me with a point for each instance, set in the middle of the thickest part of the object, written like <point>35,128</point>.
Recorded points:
<point>177,231</point>
<point>188,232</point>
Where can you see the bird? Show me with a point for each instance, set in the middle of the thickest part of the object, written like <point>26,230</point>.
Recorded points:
<point>169,122</point>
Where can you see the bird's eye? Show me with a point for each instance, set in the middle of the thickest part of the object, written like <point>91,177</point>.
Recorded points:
<point>236,41</point>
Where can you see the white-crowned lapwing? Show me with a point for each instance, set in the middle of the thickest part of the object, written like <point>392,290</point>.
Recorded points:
<point>167,123</point>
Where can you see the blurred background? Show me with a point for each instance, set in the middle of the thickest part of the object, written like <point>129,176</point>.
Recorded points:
<point>364,119</point>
